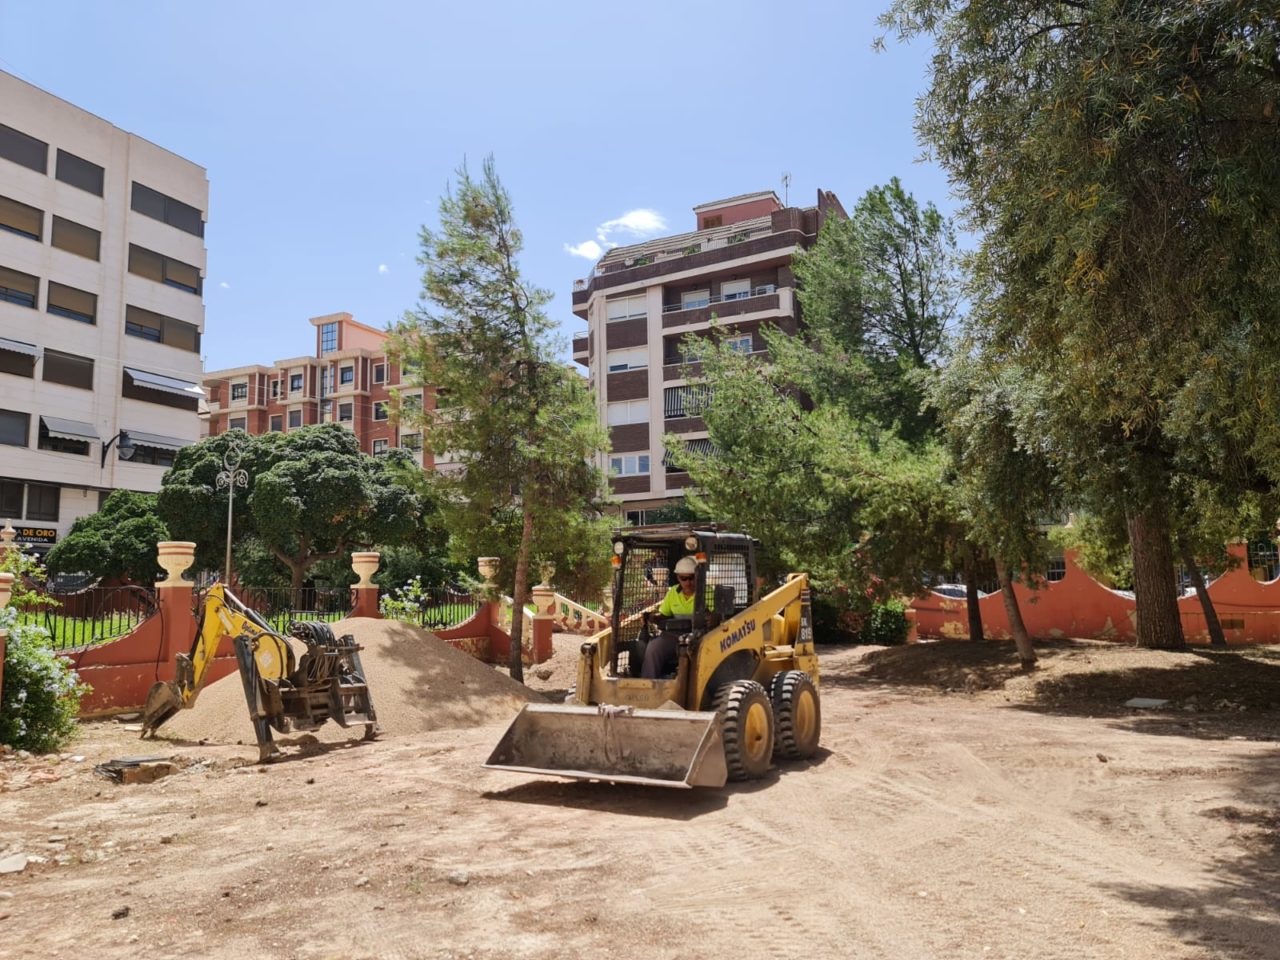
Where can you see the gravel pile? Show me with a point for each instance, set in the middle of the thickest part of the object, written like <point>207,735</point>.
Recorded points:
<point>418,683</point>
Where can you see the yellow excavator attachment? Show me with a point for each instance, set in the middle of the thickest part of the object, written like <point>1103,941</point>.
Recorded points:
<point>661,748</point>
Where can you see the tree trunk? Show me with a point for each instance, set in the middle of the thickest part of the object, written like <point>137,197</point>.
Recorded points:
<point>1159,626</point>
<point>1216,637</point>
<point>971,598</point>
<point>1021,640</point>
<point>297,574</point>
<point>518,592</point>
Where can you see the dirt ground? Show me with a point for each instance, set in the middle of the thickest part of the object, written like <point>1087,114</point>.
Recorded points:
<point>956,809</point>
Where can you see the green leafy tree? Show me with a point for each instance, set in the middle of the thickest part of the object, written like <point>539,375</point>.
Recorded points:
<point>521,428</point>
<point>119,541</point>
<point>1118,160</point>
<point>312,496</point>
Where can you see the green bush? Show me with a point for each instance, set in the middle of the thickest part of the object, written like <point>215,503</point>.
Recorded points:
<point>41,694</point>
<point>885,624</point>
<point>833,619</point>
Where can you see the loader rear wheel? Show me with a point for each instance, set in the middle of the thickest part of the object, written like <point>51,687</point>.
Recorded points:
<point>746,722</point>
<point>797,714</point>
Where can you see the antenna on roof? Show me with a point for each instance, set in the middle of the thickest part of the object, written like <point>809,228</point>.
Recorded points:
<point>786,189</point>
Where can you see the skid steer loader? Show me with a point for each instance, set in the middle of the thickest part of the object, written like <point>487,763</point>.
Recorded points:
<point>743,689</point>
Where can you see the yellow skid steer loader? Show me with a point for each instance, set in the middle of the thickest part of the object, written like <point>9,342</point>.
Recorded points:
<point>740,690</point>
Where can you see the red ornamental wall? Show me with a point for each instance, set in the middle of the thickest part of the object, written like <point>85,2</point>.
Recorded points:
<point>1078,606</point>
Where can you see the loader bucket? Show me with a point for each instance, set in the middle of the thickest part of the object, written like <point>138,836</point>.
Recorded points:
<point>661,748</point>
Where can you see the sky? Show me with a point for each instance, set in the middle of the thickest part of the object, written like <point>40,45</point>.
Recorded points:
<point>330,130</point>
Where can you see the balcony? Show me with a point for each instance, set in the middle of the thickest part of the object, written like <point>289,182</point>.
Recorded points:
<point>580,349</point>
<point>677,369</point>
<point>763,299</point>
<point>707,301</point>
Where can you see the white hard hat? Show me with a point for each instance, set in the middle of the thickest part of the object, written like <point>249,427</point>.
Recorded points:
<point>686,565</point>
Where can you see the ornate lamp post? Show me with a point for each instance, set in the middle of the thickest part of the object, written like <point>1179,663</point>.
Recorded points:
<point>230,477</point>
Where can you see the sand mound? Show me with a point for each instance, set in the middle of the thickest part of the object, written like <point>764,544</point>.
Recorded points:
<point>417,681</point>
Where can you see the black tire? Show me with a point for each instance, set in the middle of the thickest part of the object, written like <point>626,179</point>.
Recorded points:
<point>746,724</point>
<point>797,715</point>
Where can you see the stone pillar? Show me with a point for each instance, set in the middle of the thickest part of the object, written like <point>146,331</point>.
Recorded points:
<point>174,596</point>
<point>365,592</point>
<point>913,630</point>
<point>6,591</point>
<point>544,605</point>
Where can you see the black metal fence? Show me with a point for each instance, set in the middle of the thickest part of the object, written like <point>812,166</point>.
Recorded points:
<point>281,605</point>
<point>84,618</point>
<point>435,608</point>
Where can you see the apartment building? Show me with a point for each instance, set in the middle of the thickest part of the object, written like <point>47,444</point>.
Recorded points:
<point>102,260</point>
<point>642,301</point>
<point>347,379</point>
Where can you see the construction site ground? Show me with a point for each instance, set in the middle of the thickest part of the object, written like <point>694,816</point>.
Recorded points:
<point>956,809</point>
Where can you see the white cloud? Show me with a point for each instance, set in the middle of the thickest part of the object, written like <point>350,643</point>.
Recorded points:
<point>383,269</point>
<point>224,285</point>
<point>632,226</point>
<point>587,248</point>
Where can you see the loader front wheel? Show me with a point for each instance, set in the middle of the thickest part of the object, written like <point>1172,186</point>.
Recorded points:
<point>797,714</point>
<point>746,722</point>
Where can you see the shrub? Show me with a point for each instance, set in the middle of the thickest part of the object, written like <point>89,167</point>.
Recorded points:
<point>42,692</point>
<point>833,620</point>
<point>885,624</point>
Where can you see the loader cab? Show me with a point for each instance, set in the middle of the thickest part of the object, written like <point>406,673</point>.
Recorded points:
<point>644,570</point>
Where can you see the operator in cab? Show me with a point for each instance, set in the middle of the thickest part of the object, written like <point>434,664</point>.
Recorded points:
<point>660,652</point>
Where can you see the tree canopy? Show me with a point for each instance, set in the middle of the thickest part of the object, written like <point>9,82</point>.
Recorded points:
<point>119,541</point>
<point>312,496</point>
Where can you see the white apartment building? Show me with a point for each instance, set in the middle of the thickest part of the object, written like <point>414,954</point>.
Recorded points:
<point>102,259</point>
<point>642,302</point>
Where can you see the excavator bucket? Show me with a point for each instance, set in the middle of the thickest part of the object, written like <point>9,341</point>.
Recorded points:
<point>660,748</point>
<point>164,699</point>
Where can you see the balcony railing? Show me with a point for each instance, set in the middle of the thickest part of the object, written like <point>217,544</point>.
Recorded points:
<point>761,291</point>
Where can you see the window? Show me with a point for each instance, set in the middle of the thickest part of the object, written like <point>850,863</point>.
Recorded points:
<point>18,358</point>
<point>162,269</point>
<point>692,299</point>
<point>71,303</point>
<point>411,441</point>
<point>76,238</point>
<point>630,465</point>
<point>625,308</point>
<point>1057,569</point>
<point>742,344</point>
<point>239,391</point>
<point>712,220</point>
<point>346,375</point>
<point>295,419</point>
<point>14,427</point>
<point>11,492</point>
<point>379,447</point>
<point>1264,559</point>
<point>326,407</point>
<point>68,369</point>
<point>160,389</point>
<point>79,172</point>
<point>21,219</point>
<point>628,411</point>
<point>24,150</point>
<point>735,289</point>
<point>703,447</point>
<point>277,423</point>
<point>678,402</point>
<point>155,456</point>
<point>61,444</point>
<point>328,338</point>
<point>236,423</point>
<point>381,410</point>
<point>295,383</point>
<point>379,373</point>
<point>639,518</point>
<point>637,358</point>
<point>275,389</point>
<point>346,412</point>
<point>154,204</point>
<point>42,502</point>
<point>326,380</point>
<point>19,288</point>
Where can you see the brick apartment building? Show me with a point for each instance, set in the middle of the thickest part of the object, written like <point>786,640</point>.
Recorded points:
<point>641,301</point>
<point>347,380</point>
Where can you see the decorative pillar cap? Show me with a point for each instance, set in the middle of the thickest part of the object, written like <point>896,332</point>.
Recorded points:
<point>174,556</point>
<point>365,564</point>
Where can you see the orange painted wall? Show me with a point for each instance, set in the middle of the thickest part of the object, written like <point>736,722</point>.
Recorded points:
<point>1078,606</point>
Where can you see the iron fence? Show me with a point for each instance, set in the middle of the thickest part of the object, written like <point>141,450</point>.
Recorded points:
<point>433,608</point>
<point>281,605</point>
<point>85,618</point>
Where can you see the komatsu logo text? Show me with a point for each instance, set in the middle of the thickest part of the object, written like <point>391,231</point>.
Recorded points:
<point>737,635</point>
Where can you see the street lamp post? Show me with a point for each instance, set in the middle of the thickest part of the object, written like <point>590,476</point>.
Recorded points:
<point>230,477</point>
<point>125,448</point>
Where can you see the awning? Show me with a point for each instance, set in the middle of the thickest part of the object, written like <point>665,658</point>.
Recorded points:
<point>69,429</point>
<point>140,439</point>
<point>156,381</point>
<point>702,445</point>
<point>18,346</point>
